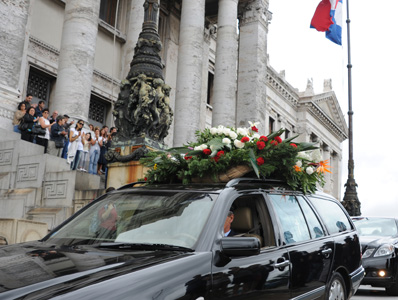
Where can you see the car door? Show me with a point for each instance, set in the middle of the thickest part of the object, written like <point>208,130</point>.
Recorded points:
<point>262,276</point>
<point>310,250</point>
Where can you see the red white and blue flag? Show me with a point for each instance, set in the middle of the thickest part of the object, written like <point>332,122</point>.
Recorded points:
<point>328,18</point>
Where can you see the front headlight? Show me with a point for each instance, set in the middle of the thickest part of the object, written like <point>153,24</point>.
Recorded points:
<point>385,249</point>
<point>368,252</point>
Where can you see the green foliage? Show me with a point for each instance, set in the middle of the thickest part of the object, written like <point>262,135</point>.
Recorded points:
<point>218,149</point>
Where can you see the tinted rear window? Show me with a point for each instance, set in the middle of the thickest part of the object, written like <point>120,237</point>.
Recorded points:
<point>332,215</point>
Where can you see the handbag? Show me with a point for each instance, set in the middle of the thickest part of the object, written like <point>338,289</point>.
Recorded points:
<point>38,130</point>
<point>59,143</point>
<point>23,126</point>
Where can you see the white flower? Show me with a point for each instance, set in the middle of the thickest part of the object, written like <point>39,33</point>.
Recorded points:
<point>309,170</point>
<point>213,130</point>
<point>299,163</point>
<point>220,130</point>
<point>255,136</point>
<point>239,144</point>
<point>233,135</point>
<point>226,131</point>
<point>303,155</point>
<point>316,155</point>
<point>253,124</point>
<point>201,147</point>
<point>242,131</point>
<point>226,141</point>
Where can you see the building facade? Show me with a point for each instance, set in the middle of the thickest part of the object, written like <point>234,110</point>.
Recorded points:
<point>73,54</point>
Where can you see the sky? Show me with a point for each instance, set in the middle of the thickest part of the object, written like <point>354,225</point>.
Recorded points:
<point>305,53</point>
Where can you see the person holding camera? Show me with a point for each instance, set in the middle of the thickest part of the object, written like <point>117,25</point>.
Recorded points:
<point>75,147</point>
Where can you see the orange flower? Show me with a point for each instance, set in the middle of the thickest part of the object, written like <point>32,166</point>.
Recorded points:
<point>297,168</point>
<point>323,167</point>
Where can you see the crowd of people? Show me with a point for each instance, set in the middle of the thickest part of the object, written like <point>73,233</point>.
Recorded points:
<point>83,147</point>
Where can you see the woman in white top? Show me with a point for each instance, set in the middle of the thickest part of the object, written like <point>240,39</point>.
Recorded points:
<point>96,143</point>
<point>45,124</point>
<point>75,147</point>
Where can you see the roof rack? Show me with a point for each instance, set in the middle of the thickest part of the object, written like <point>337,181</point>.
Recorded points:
<point>130,185</point>
<point>236,181</point>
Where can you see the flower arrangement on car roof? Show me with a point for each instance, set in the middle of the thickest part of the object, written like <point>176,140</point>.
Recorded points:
<point>222,153</point>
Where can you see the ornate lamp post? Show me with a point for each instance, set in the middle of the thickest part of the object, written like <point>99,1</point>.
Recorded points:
<point>350,200</point>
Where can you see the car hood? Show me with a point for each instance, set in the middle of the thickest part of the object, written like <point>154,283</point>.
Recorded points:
<point>375,241</point>
<point>34,266</point>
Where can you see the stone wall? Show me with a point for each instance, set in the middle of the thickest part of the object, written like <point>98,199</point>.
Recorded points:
<point>40,187</point>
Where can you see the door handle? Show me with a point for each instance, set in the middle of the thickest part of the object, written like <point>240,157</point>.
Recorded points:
<point>326,252</point>
<point>282,264</point>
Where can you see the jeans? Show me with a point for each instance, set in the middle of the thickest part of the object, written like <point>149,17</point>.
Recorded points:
<point>65,149</point>
<point>94,156</point>
<point>83,159</point>
<point>76,160</point>
<point>16,129</point>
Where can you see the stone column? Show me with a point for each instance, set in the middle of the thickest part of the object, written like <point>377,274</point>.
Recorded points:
<point>205,77</point>
<point>189,71</point>
<point>14,39</point>
<point>76,58</point>
<point>225,76</point>
<point>134,27</point>
<point>253,29</point>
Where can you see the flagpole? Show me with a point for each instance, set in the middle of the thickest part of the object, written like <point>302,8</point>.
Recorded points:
<point>350,200</point>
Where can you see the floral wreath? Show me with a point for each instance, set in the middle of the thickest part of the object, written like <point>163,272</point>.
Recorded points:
<point>219,150</point>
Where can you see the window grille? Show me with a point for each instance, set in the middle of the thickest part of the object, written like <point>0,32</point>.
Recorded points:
<point>39,86</point>
<point>97,111</point>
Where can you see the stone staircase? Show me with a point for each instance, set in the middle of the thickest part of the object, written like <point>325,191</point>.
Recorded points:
<point>38,187</point>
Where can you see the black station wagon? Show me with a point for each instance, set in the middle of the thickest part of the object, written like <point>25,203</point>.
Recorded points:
<point>168,242</point>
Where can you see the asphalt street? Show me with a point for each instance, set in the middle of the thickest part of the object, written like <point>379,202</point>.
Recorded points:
<point>366,292</point>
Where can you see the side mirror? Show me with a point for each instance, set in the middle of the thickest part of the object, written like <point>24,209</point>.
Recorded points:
<point>3,241</point>
<point>240,246</point>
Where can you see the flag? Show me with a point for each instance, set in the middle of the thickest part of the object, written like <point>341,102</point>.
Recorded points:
<point>328,17</point>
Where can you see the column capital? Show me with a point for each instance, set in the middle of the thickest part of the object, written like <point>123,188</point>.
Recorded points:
<point>254,11</point>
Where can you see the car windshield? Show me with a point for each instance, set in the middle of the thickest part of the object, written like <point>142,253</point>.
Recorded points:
<point>140,218</point>
<point>376,227</point>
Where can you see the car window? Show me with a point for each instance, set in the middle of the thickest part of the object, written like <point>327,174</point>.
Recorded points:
<point>332,214</point>
<point>291,218</point>
<point>376,226</point>
<point>172,218</point>
<point>312,220</point>
<point>251,219</point>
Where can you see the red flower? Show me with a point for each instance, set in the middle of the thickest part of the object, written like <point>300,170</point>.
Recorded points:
<point>260,161</point>
<point>245,139</point>
<point>254,128</point>
<point>216,158</point>
<point>145,179</point>
<point>263,138</point>
<point>275,143</point>
<point>187,157</point>
<point>278,139</point>
<point>293,145</point>
<point>207,151</point>
<point>260,145</point>
<point>219,153</point>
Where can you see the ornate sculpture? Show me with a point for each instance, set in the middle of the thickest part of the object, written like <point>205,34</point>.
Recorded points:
<point>142,109</point>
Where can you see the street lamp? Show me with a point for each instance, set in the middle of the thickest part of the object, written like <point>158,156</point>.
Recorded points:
<point>350,200</point>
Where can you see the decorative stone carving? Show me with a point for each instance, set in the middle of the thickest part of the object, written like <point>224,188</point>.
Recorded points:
<point>27,172</point>
<point>55,189</point>
<point>327,85</point>
<point>143,109</point>
<point>255,10</point>
<point>6,157</point>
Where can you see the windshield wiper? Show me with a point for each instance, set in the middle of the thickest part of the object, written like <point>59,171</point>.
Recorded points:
<point>143,246</point>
